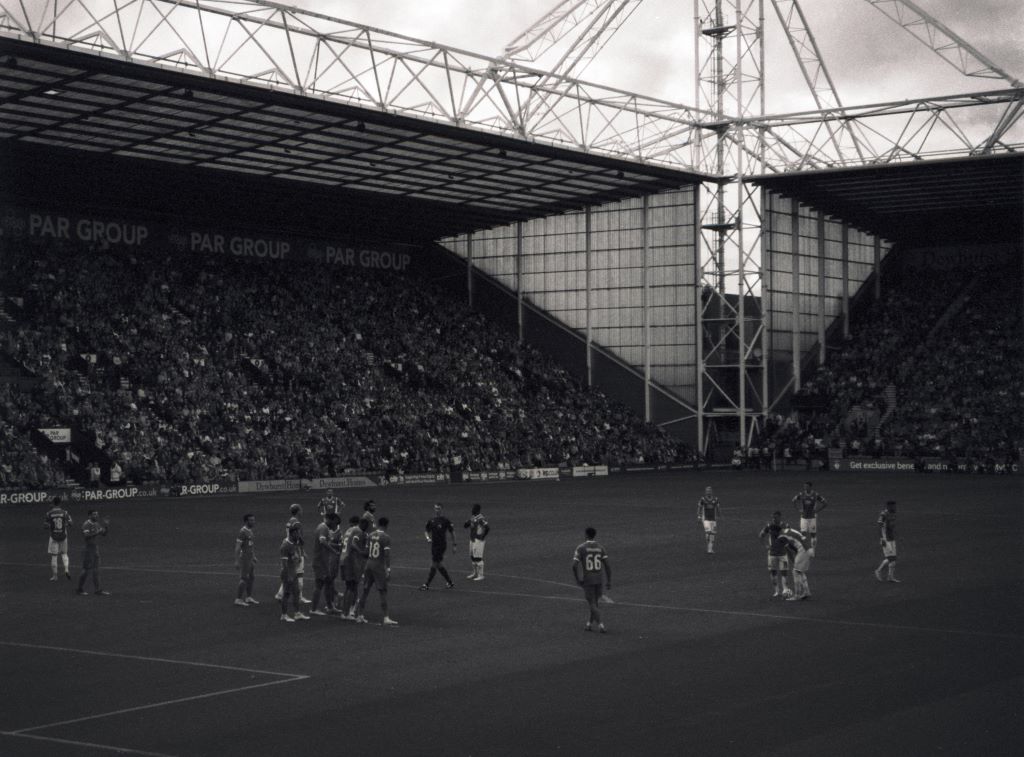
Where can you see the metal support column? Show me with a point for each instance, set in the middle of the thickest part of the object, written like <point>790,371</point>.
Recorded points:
<point>846,280</point>
<point>590,302</point>
<point>519,281</point>
<point>645,304</point>
<point>794,220</point>
<point>821,288</point>
<point>469,269</point>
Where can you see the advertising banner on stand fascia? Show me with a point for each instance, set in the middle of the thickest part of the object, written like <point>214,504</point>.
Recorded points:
<point>202,490</point>
<point>107,494</point>
<point>537,474</point>
<point>271,485</point>
<point>104,230</point>
<point>339,482</point>
<point>589,471</point>
<point>924,465</point>
<point>40,497</point>
<point>489,475</point>
<point>416,478</point>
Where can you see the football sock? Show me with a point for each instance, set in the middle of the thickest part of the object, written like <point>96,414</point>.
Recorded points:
<point>480,569</point>
<point>444,573</point>
<point>64,562</point>
<point>431,574</point>
<point>53,564</point>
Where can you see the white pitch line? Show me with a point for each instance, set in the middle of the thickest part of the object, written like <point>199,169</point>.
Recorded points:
<point>295,676</point>
<point>118,749</point>
<point>155,705</point>
<point>282,678</point>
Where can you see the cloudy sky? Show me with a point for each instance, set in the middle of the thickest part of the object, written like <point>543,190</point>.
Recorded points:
<point>870,58</point>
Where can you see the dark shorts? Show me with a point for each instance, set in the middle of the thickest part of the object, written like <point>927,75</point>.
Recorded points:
<point>90,559</point>
<point>593,592</point>
<point>373,577</point>
<point>351,571</point>
<point>437,553</point>
<point>320,570</point>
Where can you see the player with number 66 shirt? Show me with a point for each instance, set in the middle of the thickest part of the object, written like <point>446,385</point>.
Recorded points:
<point>593,571</point>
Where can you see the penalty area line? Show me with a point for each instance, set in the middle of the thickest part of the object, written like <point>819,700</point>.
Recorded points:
<point>90,744</point>
<point>154,705</point>
<point>280,678</point>
<point>143,658</point>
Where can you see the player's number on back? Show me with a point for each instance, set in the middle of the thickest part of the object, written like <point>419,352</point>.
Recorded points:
<point>58,524</point>
<point>593,563</point>
<point>374,550</point>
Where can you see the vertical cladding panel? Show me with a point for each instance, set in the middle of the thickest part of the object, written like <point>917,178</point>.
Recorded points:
<point>779,264</point>
<point>555,264</point>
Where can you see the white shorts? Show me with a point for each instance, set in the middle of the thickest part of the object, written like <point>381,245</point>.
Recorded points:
<point>711,526</point>
<point>889,548</point>
<point>809,525</point>
<point>778,562</point>
<point>57,547</point>
<point>802,561</point>
<point>476,549</point>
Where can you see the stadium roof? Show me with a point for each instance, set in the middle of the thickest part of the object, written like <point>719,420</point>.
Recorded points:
<point>446,180</point>
<point>412,177</point>
<point>956,200</point>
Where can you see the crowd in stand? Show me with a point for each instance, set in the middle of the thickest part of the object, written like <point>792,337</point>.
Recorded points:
<point>931,370</point>
<point>188,369</point>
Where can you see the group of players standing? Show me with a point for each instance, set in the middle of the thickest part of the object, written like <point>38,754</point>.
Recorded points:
<point>360,555</point>
<point>790,550</point>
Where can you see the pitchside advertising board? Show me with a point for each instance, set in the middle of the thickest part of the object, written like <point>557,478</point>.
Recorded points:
<point>102,231</point>
<point>925,465</point>
<point>109,494</point>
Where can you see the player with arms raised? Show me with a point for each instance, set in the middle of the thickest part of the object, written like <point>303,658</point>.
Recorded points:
<point>592,570</point>
<point>478,530</point>
<point>329,504</point>
<point>809,503</point>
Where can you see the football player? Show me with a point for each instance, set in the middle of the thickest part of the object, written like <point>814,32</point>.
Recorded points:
<point>589,565</point>
<point>57,521</point>
<point>478,530</point>
<point>377,571</point>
